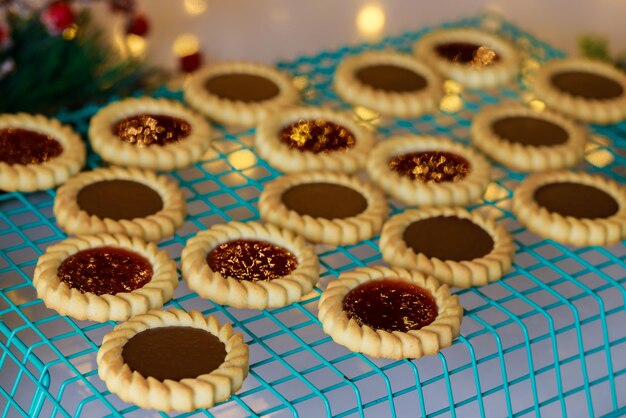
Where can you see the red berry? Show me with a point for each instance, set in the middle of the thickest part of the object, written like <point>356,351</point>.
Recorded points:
<point>5,34</point>
<point>138,25</point>
<point>190,63</point>
<point>57,17</point>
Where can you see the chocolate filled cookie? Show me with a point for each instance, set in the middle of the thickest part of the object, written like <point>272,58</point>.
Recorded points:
<point>523,139</point>
<point>572,208</point>
<point>239,92</point>
<point>584,89</point>
<point>459,248</point>
<point>117,200</point>
<point>388,82</point>
<point>173,360</point>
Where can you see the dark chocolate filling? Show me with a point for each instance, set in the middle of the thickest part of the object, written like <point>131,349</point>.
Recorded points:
<point>174,353</point>
<point>448,238</point>
<point>531,131</point>
<point>390,305</point>
<point>324,200</point>
<point>105,271</point>
<point>119,199</point>
<point>242,87</point>
<point>251,260</point>
<point>317,136</point>
<point>577,200</point>
<point>23,146</point>
<point>587,85</point>
<point>144,130</point>
<point>391,78</point>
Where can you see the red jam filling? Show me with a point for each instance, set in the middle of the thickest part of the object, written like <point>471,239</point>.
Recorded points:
<point>105,271</point>
<point>22,146</point>
<point>390,305</point>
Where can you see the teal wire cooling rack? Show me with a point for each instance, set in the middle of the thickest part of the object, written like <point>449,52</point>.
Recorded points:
<point>547,340</point>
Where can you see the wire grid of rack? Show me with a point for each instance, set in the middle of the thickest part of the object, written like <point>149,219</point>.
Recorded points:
<point>548,339</point>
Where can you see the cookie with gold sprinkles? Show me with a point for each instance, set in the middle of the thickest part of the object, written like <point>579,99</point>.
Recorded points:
<point>303,139</point>
<point>250,265</point>
<point>156,134</point>
<point>428,171</point>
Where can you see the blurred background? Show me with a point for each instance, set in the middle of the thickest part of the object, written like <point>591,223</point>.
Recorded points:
<point>270,30</point>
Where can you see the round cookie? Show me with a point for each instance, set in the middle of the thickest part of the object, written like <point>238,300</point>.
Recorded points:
<point>390,312</point>
<point>572,208</point>
<point>37,153</point>
<point>324,207</point>
<point>305,139</point>
<point>469,56</point>
<point>388,82</point>
<point>104,277</point>
<point>428,171</point>
<point>525,140</point>
<point>459,248</point>
<point>239,92</point>
<point>120,201</point>
<point>584,89</point>
<point>173,360</point>
<point>155,134</point>
<point>249,265</point>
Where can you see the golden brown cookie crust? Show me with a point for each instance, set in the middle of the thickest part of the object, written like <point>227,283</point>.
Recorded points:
<point>289,160</point>
<point>320,230</point>
<point>409,104</point>
<point>380,343</point>
<point>527,157</point>
<point>414,192</point>
<point>238,113</point>
<point>73,220</point>
<point>567,229</point>
<point>32,177</point>
<point>154,157</point>
<point>477,272</point>
<point>169,395</point>
<point>500,73</point>
<point>587,110</point>
<point>57,295</point>
<point>242,293</point>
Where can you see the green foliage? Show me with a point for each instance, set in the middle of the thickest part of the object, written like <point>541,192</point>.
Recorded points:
<point>594,47</point>
<point>51,72</point>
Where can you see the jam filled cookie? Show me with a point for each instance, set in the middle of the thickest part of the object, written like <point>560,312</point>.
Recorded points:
<point>104,277</point>
<point>391,83</point>
<point>428,171</point>
<point>240,93</point>
<point>523,139</point>
<point>324,207</point>
<point>156,134</point>
<point>173,360</point>
<point>121,201</point>
<point>37,153</point>
<point>459,248</point>
<point>305,139</point>
<point>572,208</point>
<point>390,312</point>
<point>250,265</point>
<point>471,57</point>
<point>591,91</point>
